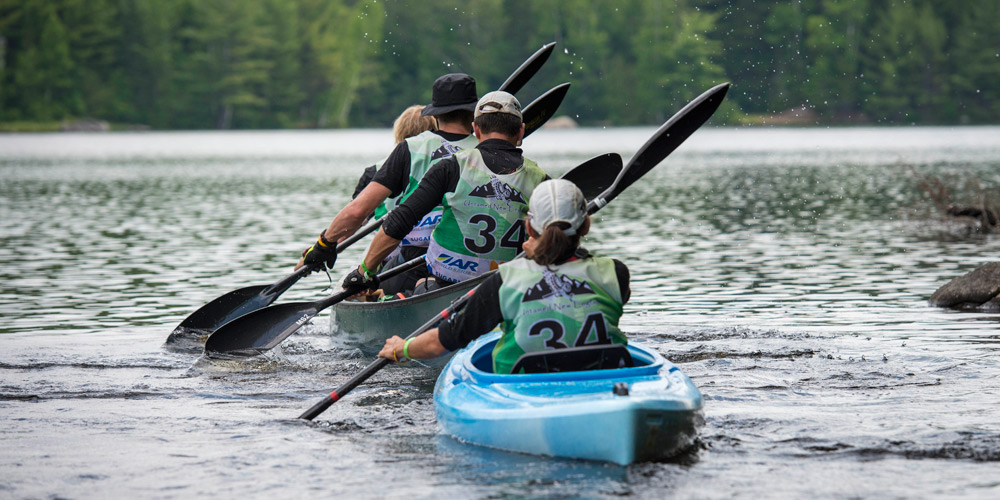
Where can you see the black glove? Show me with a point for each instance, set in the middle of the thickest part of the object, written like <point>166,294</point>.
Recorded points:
<point>322,252</point>
<point>358,281</point>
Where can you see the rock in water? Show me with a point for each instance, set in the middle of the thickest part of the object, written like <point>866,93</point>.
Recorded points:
<point>977,290</point>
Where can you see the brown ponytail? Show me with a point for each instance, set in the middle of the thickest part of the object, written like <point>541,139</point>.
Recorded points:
<point>554,246</point>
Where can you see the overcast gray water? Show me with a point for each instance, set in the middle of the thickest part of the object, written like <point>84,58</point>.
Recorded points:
<point>786,271</point>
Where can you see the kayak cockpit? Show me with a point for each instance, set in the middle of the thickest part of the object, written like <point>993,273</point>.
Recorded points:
<point>480,366</point>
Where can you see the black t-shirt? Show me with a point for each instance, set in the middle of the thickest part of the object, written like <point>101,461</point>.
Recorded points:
<point>482,312</point>
<point>395,172</point>
<point>500,156</point>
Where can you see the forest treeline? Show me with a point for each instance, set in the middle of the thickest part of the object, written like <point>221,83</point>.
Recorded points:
<point>200,64</point>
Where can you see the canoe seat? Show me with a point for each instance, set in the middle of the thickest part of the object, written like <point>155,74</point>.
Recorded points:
<point>574,359</point>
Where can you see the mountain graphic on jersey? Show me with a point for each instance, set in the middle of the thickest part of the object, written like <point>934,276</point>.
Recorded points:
<point>498,190</point>
<point>446,150</point>
<point>556,285</point>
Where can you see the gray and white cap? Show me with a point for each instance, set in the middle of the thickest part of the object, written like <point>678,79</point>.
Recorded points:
<point>498,101</point>
<point>557,200</point>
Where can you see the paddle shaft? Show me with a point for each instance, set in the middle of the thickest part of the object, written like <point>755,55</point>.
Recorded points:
<point>651,153</point>
<point>286,282</point>
<point>389,273</point>
<point>380,363</point>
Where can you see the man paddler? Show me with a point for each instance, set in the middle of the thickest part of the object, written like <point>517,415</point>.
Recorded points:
<point>454,98</point>
<point>484,192</point>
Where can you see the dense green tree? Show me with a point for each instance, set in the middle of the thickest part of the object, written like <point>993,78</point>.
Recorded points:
<point>337,63</point>
<point>676,58</point>
<point>975,64</point>
<point>147,54</point>
<point>903,71</point>
<point>42,73</point>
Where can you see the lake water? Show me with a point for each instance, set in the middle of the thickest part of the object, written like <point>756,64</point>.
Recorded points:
<point>786,271</point>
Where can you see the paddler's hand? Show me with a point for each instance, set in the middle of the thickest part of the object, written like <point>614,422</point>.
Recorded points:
<point>323,252</point>
<point>360,279</point>
<point>393,350</point>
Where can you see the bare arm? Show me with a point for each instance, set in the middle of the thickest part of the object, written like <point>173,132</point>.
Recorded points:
<point>353,215</point>
<point>380,248</point>
<point>424,346</point>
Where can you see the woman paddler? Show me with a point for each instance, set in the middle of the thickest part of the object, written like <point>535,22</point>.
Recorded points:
<point>558,297</point>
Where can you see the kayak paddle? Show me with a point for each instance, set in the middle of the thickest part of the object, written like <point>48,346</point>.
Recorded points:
<point>540,110</point>
<point>261,330</point>
<point>664,141</point>
<point>527,69</point>
<point>236,303</point>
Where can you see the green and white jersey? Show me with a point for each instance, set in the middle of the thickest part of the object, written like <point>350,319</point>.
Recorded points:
<point>426,149</point>
<point>574,304</point>
<point>483,221</point>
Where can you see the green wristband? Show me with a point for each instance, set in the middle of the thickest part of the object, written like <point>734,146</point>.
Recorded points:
<point>406,349</point>
<point>368,274</point>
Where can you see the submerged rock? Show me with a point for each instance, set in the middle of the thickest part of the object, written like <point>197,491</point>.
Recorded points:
<point>977,290</point>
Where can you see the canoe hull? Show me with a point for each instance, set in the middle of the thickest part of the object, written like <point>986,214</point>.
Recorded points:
<point>572,415</point>
<point>370,323</point>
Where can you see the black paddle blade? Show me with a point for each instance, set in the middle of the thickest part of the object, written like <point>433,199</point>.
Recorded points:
<point>540,110</point>
<point>526,70</point>
<point>595,175</point>
<point>254,333</point>
<point>670,135</point>
<point>222,310</point>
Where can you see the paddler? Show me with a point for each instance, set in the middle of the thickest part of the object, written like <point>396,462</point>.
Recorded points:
<point>408,124</point>
<point>453,100</point>
<point>484,192</point>
<point>559,296</point>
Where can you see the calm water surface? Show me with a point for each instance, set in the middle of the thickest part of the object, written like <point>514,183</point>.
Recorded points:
<point>786,271</point>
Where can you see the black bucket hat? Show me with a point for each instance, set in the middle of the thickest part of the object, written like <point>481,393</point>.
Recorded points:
<point>452,91</point>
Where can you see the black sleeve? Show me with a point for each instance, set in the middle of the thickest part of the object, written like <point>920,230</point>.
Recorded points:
<point>366,177</point>
<point>441,179</point>
<point>395,172</point>
<point>623,280</point>
<point>480,314</point>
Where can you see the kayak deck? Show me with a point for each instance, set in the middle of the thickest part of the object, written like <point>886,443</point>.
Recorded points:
<point>570,414</point>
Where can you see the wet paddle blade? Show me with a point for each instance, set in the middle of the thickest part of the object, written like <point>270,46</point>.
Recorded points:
<point>668,137</point>
<point>222,310</point>
<point>527,69</point>
<point>595,175</point>
<point>259,331</point>
<point>545,107</point>
<point>254,333</point>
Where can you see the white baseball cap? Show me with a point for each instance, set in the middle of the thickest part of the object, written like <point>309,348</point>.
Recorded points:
<point>557,200</point>
<point>498,101</point>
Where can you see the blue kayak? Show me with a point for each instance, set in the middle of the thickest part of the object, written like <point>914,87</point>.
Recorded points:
<point>649,411</point>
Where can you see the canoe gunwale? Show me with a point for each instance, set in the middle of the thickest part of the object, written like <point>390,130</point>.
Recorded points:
<point>415,300</point>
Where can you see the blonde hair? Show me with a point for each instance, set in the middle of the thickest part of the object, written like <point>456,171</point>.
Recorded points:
<point>410,123</point>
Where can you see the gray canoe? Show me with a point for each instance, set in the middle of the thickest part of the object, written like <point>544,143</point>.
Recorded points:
<point>370,323</point>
